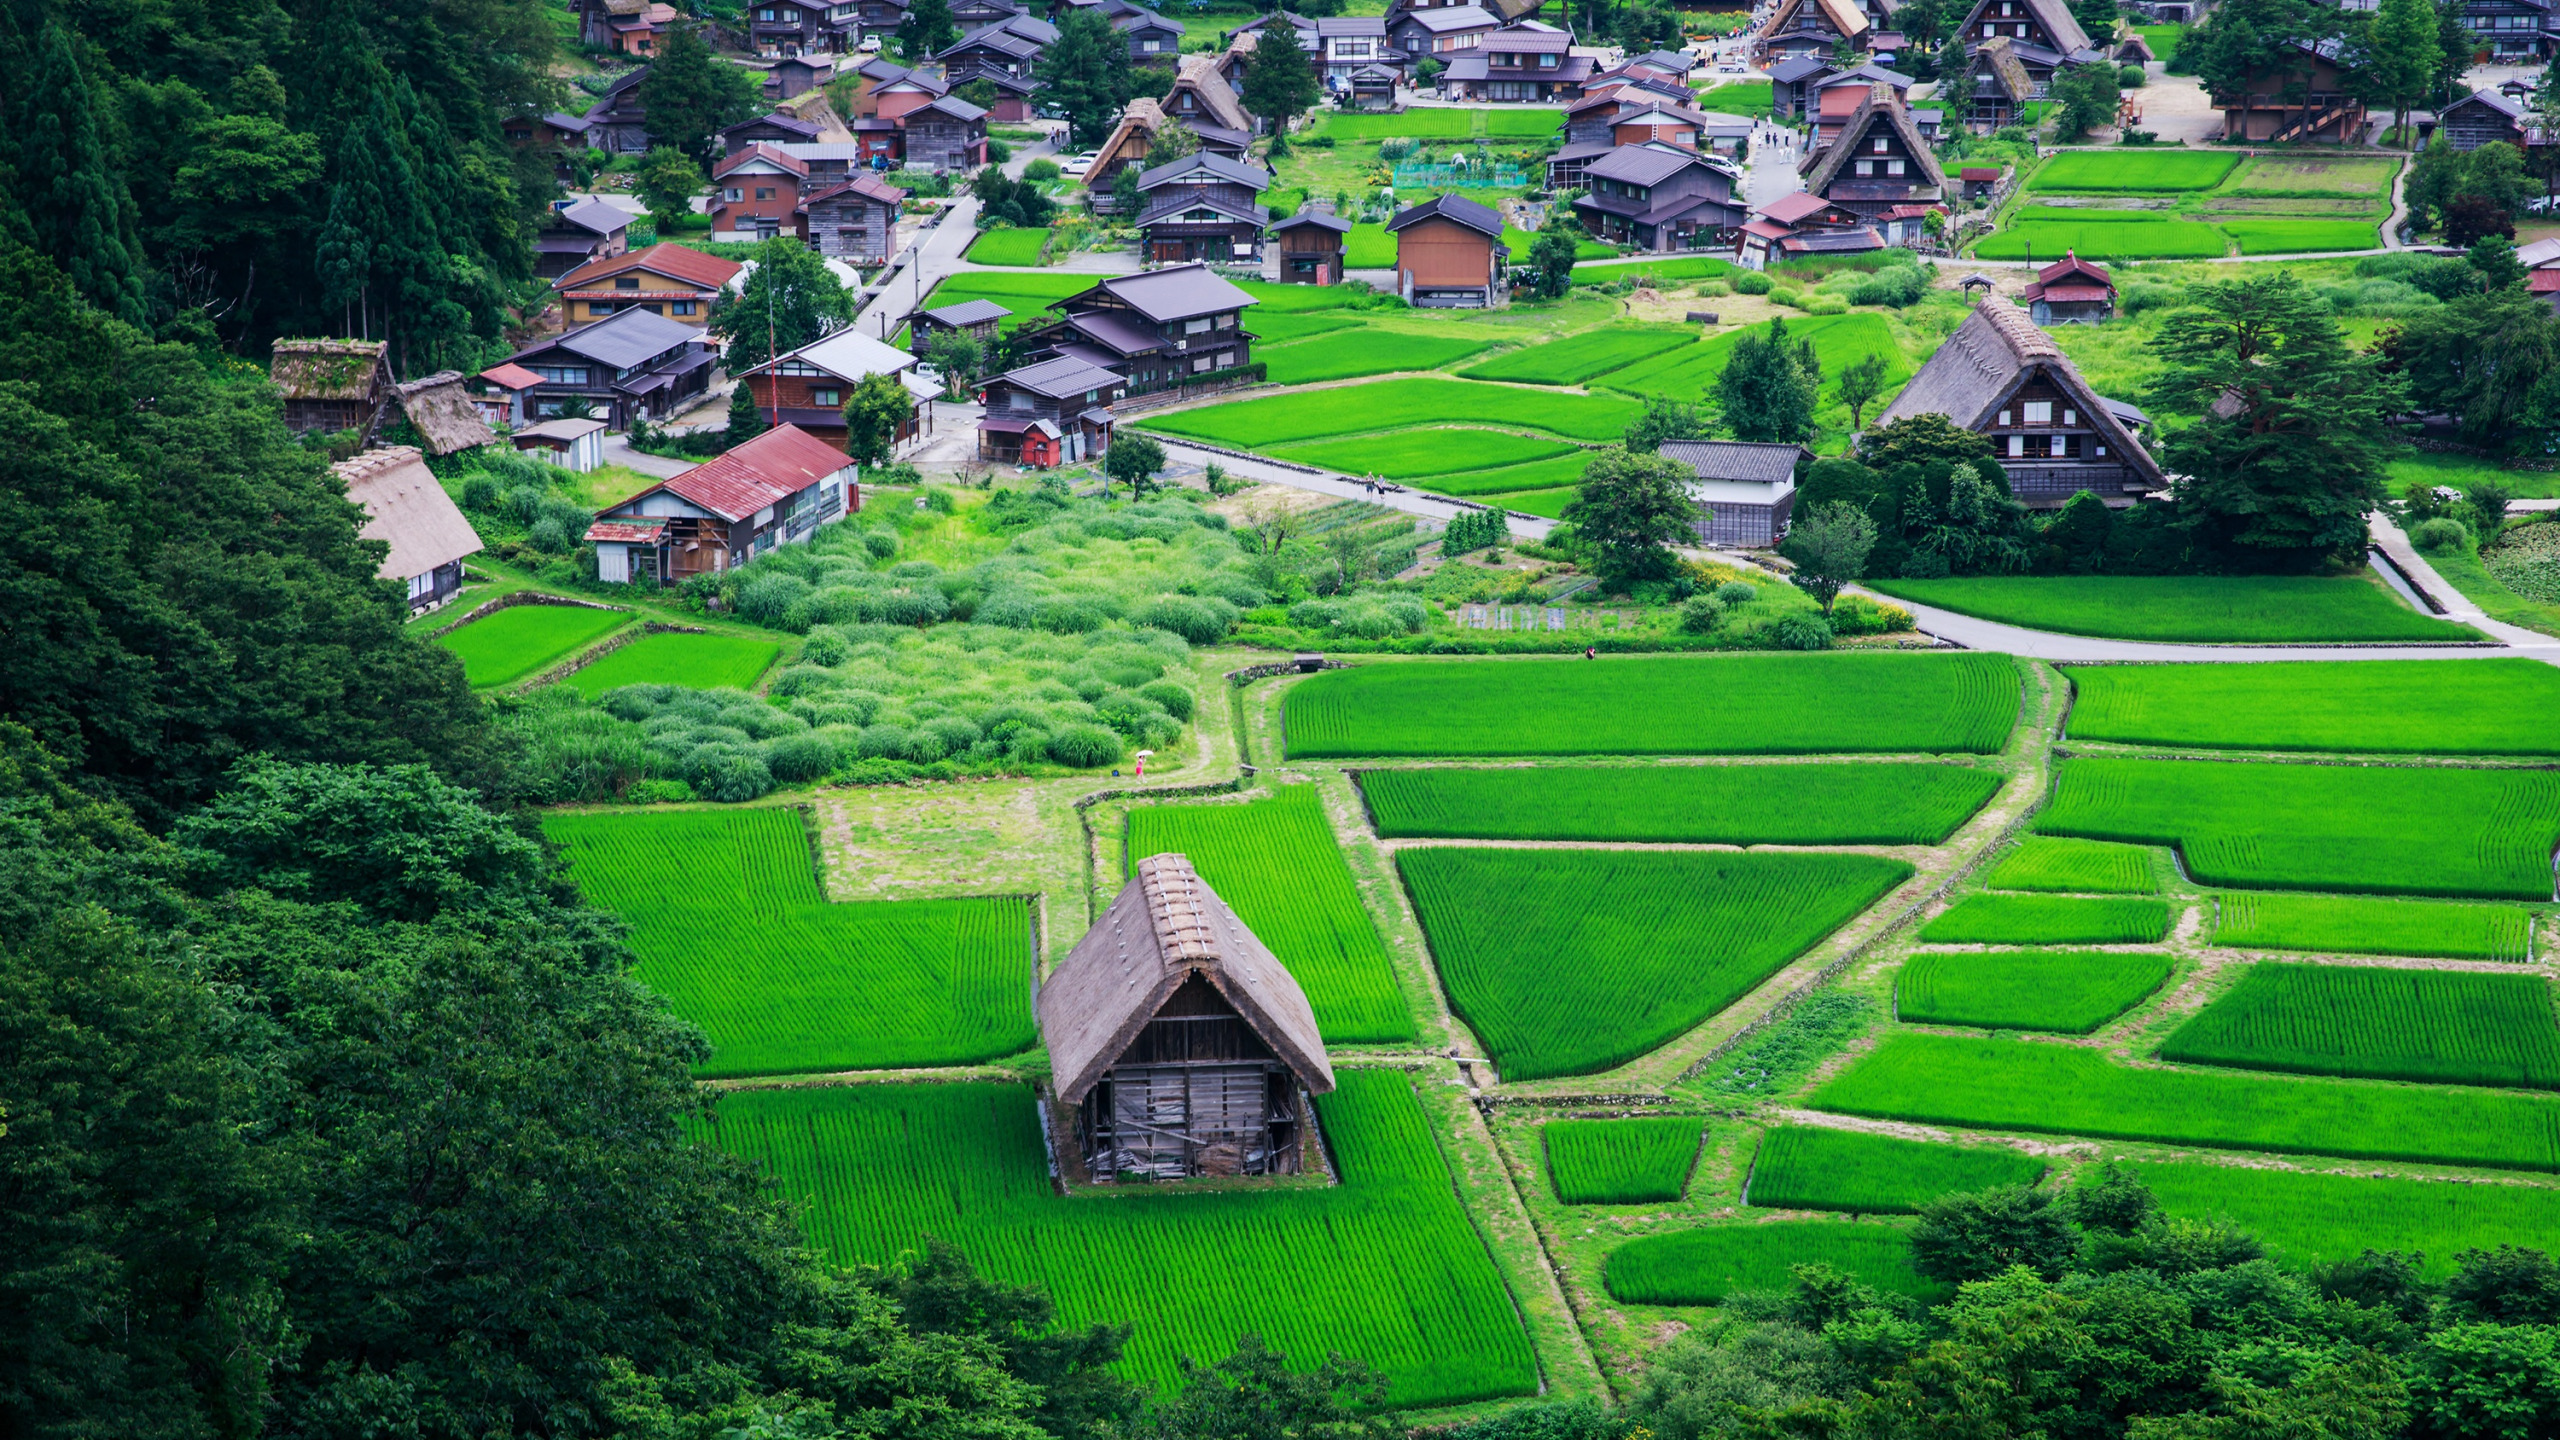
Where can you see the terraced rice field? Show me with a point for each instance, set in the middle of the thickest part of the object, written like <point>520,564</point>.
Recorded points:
<point>1419,454</point>
<point>1622,1162</point>
<point>1563,471</point>
<point>1703,1266</point>
<point>1839,341</point>
<point>2196,609</point>
<point>1369,350</point>
<point>1569,962</point>
<point>2310,176</point>
<point>2069,992</point>
<point>2277,236</point>
<point>729,924</point>
<point>2307,1218</point>
<point>1659,705</point>
<point>521,640</point>
<point>2083,867</point>
<point>2470,707</point>
<point>1276,861</point>
<point>1385,1265</point>
<point>1417,400</point>
<point>2380,829</point>
<point>1812,804</point>
<point>1282,327</point>
<point>2050,920</point>
<point>1549,503</point>
<point>1008,247</point>
<point>2067,1089</point>
<point>1813,1167</point>
<point>2455,1027</point>
<point>1577,358</point>
<point>703,662</point>
<point>2355,925</point>
<point>2132,172</point>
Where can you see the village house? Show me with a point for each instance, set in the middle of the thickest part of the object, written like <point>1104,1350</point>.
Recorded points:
<point>407,509</point>
<point>665,279</point>
<point>1150,36</point>
<point>1345,43</point>
<point>617,123</point>
<point>1998,86</point>
<point>775,489</point>
<point>945,134</point>
<point>1881,167</point>
<point>643,31</point>
<point>1440,31</point>
<point>1203,101</point>
<point>1591,123</point>
<point>854,219</point>
<point>2004,379</point>
<point>442,413</point>
<point>1519,63</point>
<point>755,194</point>
<point>2489,117</point>
<point>793,76</point>
<point>1836,98</point>
<point>2309,97</point>
<point>1806,29</point>
<point>1801,225</point>
<point>892,97</point>
<point>563,136</point>
<point>1201,207</point>
<point>808,387</point>
<point>1056,412</point>
<point>2043,34</point>
<point>970,14</point>
<point>1126,146</point>
<point>881,17</point>
<point>1004,58</point>
<point>1179,1045</point>
<point>1310,247</point>
<point>1744,490</point>
<point>1299,28</point>
<point>2512,32</point>
<point>778,128</point>
<point>1161,328</point>
<point>630,364</point>
<point>499,392</point>
<point>803,27</point>
<point>1981,182</point>
<point>1450,255</point>
<point>1508,12</point>
<point>2070,291</point>
<point>570,444</point>
<point>1658,198</point>
<point>970,319</point>
<point>332,385</point>
<point>1791,84</point>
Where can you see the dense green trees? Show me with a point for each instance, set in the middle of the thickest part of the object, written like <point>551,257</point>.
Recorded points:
<point>789,299</point>
<point>1087,74</point>
<point>691,95</point>
<point>1630,509</point>
<point>1766,390</point>
<point>1279,86</point>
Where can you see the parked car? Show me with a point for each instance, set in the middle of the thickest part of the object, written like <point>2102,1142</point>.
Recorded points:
<point>1076,165</point>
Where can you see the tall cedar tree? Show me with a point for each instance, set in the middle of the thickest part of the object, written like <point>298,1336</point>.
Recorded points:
<point>2399,55</point>
<point>2287,454</point>
<point>691,95</point>
<point>789,299</point>
<point>76,201</point>
<point>1766,392</point>
<point>1279,82</point>
<point>2492,361</point>
<point>2242,39</point>
<point>1630,509</point>
<point>1079,76</point>
<point>746,414</point>
<point>928,29</point>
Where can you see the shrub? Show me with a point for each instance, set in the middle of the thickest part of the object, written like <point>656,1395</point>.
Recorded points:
<point>1858,615</point>
<point>1200,619</point>
<point>2147,295</point>
<point>2132,77</point>
<point>1084,747</point>
<point>2442,533</point>
<point>768,595</point>
<point>732,776</point>
<point>481,492</point>
<point>659,792</point>
<point>824,647</point>
<point>1176,701</point>
<point>883,742</point>
<point>883,544</point>
<point>954,733</point>
<point>797,759</point>
<point>1801,632</point>
<point>1737,592</point>
<point>1897,286</point>
<point>1826,305</point>
<point>1041,169</point>
<point>548,536</point>
<point>1786,295</point>
<point>1714,290</point>
<point>1752,282</point>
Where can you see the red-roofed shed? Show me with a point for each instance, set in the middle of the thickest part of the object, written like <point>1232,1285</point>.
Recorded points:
<point>2071,291</point>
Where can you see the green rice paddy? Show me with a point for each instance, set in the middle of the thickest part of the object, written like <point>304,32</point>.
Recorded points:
<point>2085,867</point>
<point>1575,359</point>
<point>1705,1265</point>
<point>2360,925</point>
<point>2307,1218</point>
<point>1984,919</point>
<point>1814,1167</point>
<point>1564,471</point>
<point>1008,247</point>
<point>2126,172</point>
<point>1369,350</point>
<point>1416,454</point>
<point>504,647</point>
<point>702,662</point>
<point>1813,804</point>
<point>2068,992</point>
<point>2466,707</point>
<point>1637,1161</point>
<point>2195,609</point>
<point>1418,400</point>
<point>2456,1027</point>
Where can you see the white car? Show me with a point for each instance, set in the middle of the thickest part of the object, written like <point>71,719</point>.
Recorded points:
<point>1078,164</point>
<point>870,45</point>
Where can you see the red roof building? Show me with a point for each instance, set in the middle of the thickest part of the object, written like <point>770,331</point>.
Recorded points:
<point>666,279</point>
<point>2070,291</point>
<point>775,489</point>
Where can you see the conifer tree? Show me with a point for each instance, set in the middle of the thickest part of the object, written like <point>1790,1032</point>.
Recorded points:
<point>746,415</point>
<point>691,95</point>
<point>76,198</point>
<point>1078,75</point>
<point>1279,84</point>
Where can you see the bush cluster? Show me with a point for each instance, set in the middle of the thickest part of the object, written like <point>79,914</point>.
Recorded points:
<point>512,492</point>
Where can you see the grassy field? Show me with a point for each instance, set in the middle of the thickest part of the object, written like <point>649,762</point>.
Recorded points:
<point>1813,1167</point>
<point>2312,177</point>
<point>1008,247</point>
<point>1549,503</point>
<point>1702,1267</point>
<point>1421,454</point>
<point>2086,867</point>
<point>2388,830</point>
<point>2163,40</point>
<point>2464,472</point>
<point>1369,350</point>
<point>1622,1162</point>
<point>1839,341</point>
<point>1722,804</point>
<point>2041,236</point>
<point>1660,705</point>
<point>1275,860</point>
<point>2471,707</point>
<point>2355,925</point>
<point>2306,1219</point>
<point>2201,609</point>
<point>1683,267</point>
<point>1445,123</point>
<point>1283,326</point>
<point>1421,400</point>
<point>704,662</point>
<point>1577,358</point>
<point>729,924</point>
<point>1025,294</point>
<point>2063,991</point>
<point>2050,920</point>
<point>2132,172</point>
<point>2300,237</point>
<point>1385,1265</point>
<point>1563,471</point>
<point>2455,1027</point>
<point>1568,962</point>
<point>520,640</point>
<point>2002,1084</point>
<point>1738,97</point>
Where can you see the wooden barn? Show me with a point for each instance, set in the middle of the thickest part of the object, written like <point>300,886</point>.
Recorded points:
<point>1178,1044</point>
<point>332,385</point>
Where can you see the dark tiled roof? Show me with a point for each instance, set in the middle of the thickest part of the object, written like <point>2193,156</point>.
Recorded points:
<point>1470,213</point>
<point>1641,164</point>
<point>1061,377</point>
<point>629,338</point>
<point>1787,72</point>
<point>593,215</point>
<point>1321,219</point>
<point>968,312</point>
<point>1178,293</point>
<point>1233,171</point>
<point>1742,460</point>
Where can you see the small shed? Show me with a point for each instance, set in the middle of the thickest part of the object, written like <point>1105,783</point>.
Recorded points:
<point>1311,246</point>
<point>410,511</point>
<point>332,385</point>
<point>501,397</point>
<point>2070,291</point>
<point>569,444</point>
<point>1178,1044</point>
<point>1980,182</point>
<point>443,416</point>
<point>976,319</point>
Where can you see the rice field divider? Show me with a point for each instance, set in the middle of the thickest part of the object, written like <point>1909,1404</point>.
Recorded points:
<point>584,658</point>
<point>519,597</point>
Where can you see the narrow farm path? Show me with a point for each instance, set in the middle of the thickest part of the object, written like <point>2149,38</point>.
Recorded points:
<point>2458,606</point>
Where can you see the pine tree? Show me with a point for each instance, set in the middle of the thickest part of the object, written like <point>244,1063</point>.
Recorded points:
<point>1078,77</point>
<point>1279,84</point>
<point>2400,56</point>
<point>76,198</point>
<point>746,416</point>
<point>928,29</point>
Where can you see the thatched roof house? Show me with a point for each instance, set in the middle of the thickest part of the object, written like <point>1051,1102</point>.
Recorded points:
<point>332,385</point>
<point>1179,1040</point>
<point>442,414</point>
<point>412,514</point>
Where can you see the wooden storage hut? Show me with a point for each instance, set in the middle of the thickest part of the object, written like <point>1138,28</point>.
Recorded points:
<point>332,385</point>
<point>442,413</point>
<point>1178,1044</point>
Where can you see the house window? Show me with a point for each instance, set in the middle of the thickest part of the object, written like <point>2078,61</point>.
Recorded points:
<point>829,396</point>
<point>601,307</point>
<point>684,307</point>
<point>1194,327</point>
<point>422,585</point>
<point>2017,447</point>
<point>1879,145</point>
<point>1018,400</point>
<point>765,192</point>
<point>1547,62</point>
<point>2070,416</point>
<point>627,283</point>
<point>2102,452</point>
<point>2039,412</point>
<point>2059,448</point>
<point>1204,363</point>
<point>561,374</point>
<point>1866,167</point>
<point>1151,46</point>
<point>1989,30</point>
<point>1893,167</point>
<point>2004,418</point>
<point>733,194</point>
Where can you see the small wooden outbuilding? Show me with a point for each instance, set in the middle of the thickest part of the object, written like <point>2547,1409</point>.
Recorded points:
<point>332,385</point>
<point>1179,1045</point>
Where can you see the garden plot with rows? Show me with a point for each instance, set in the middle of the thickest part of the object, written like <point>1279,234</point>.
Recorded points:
<point>2165,204</point>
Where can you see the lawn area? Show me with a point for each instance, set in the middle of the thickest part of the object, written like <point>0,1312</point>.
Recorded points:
<point>1419,400</point>
<point>1269,297</point>
<point>2295,177</point>
<point>1026,294</point>
<point>1368,350</point>
<point>1540,475</point>
<point>2103,239</point>
<point>2132,172</point>
<point>2440,707</point>
<point>1752,98</point>
<point>1409,454</point>
<point>2194,609</point>
<point>1576,358</point>
<point>702,662</point>
<point>2163,40</point>
<point>2069,992</point>
<point>2301,237</point>
<point>1839,804</point>
<point>2466,471</point>
<point>515,642</point>
<point>1703,1266</point>
<point>1008,247</point>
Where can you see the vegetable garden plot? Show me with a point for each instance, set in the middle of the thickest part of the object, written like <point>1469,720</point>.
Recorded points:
<point>1368,350</point>
<point>1386,1266</point>
<point>729,924</point>
<point>1730,804</point>
<point>1418,454</point>
<point>2123,172</point>
<point>2454,1027</point>
<point>2203,609</point>
<point>1811,1167</point>
<point>2071,1090</point>
<point>1275,860</point>
<point>1568,962</point>
<point>1703,1266</point>
<point>1577,358</point>
<point>1660,705</point>
<point>1622,1162</point>
<point>2430,707</point>
<point>2355,925</point>
<point>1416,400</point>
<point>504,647</point>
<point>2086,867</point>
<point>2307,1218</point>
<point>2049,920</point>
<point>704,662</point>
<point>2066,991</point>
<point>2384,829</point>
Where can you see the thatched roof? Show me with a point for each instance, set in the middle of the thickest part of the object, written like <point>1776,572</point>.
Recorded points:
<point>442,414</point>
<point>1130,139</point>
<point>326,369</point>
<point>1165,927</point>
<point>1991,355</point>
<point>411,512</point>
<point>1881,106</point>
